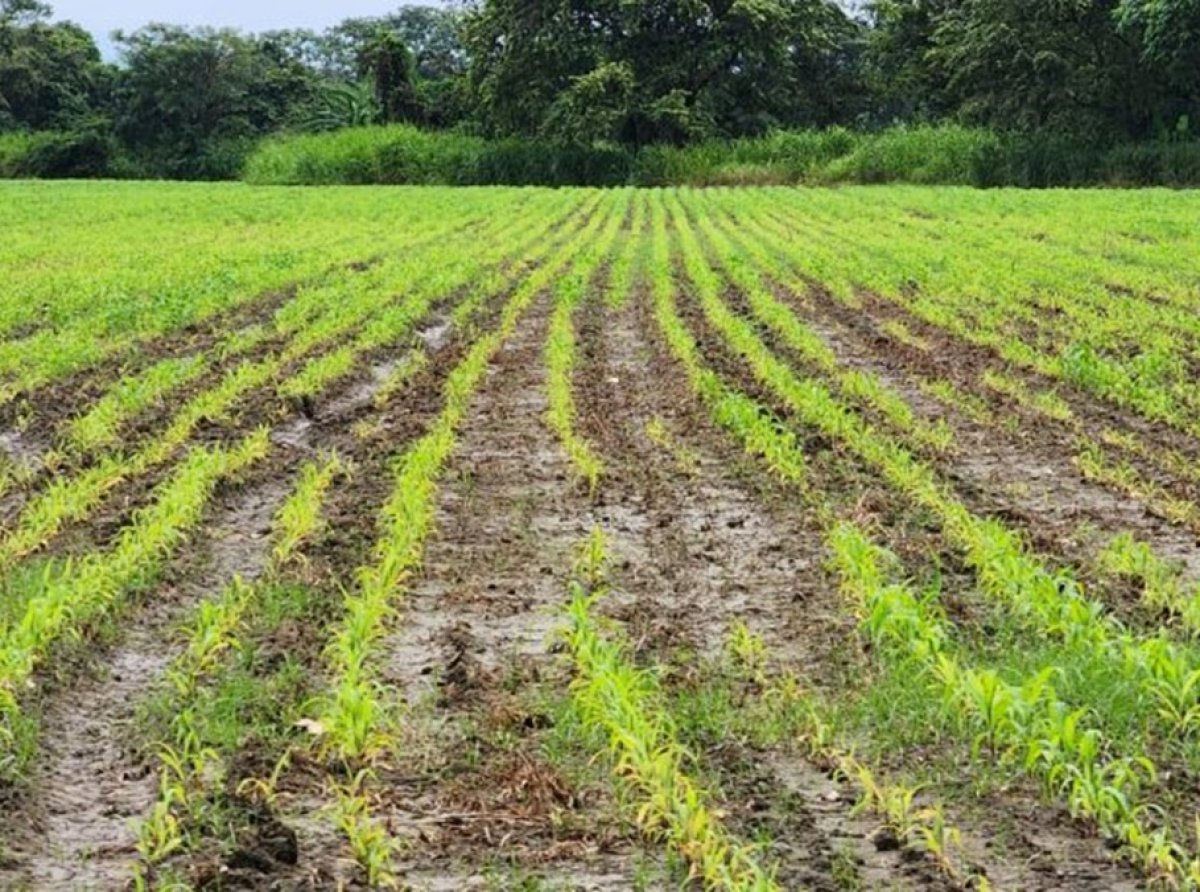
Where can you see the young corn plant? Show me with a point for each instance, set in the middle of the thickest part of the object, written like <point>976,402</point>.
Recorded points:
<point>623,702</point>
<point>1072,761</point>
<point>560,354</point>
<point>191,772</point>
<point>357,712</point>
<point>299,520</point>
<point>660,435</point>
<point>373,847</point>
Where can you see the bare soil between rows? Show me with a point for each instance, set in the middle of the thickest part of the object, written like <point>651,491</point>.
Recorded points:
<point>1025,476</point>
<point>1045,851</point>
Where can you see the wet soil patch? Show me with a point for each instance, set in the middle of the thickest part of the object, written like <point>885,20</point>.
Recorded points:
<point>88,785</point>
<point>471,793</point>
<point>1024,844</point>
<point>1025,477</point>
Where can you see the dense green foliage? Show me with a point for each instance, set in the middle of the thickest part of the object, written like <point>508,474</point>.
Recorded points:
<point>667,71</point>
<point>1036,92</point>
<point>404,154</point>
<point>931,155</point>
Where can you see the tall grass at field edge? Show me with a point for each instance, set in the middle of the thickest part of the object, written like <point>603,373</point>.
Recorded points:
<point>931,155</point>
<point>401,154</point>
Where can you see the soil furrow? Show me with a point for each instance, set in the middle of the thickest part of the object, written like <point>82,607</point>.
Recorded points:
<point>722,549</point>
<point>477,626</point>
<point>89,786</point>
<point>693,543</point>
<point>1026,476</point>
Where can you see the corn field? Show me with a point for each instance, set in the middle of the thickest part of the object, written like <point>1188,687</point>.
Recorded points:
<point>731,539</point>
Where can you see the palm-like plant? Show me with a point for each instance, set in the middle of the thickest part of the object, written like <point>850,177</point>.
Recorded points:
<point>338,105</point>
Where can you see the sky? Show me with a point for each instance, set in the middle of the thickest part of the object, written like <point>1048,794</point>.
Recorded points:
<point>102,18</point>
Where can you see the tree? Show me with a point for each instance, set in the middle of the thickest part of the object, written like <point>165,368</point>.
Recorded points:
<point>1167,33</point>
<point>642,71</point>
<point>190,101</point>
<point>387,61</point>
<point>1167,30</point>
<point>430,33</point>
<point>51,75</point>
<point>896,65</point>
<point>1038,64</point>
<point>23,13</point>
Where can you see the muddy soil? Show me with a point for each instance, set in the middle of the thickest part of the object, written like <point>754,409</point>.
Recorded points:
<point>812,824</point>
<point>477,629</point>
<point>88,787</point>
<point>725,547</point>
<point>1026,476</point>
<point>367,436</point>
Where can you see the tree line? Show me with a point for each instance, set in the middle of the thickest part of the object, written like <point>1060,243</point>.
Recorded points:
<point>191,102</point>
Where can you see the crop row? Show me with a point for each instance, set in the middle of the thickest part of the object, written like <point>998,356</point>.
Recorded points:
<point>1048,602</point>
<point>382,318</point>
<point>76,595</point>
<point>1076,316</point>
<point>130,282</point>
<point>191,771</point>
<point>355,713</point>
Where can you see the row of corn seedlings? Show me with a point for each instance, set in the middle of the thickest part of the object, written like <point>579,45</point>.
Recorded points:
<point>981,295</point>
<point>624,706</point>
<point>101,426</point>
<point>190,771</point>
<point>83,591</point>
<point>781,710</point>
<point>750,267</point>
<point>1021,721</point>
<point>1048,602</point>
<point>1094,786</point>
<point>356,714</point>
<point>1089,459</point>
<point>753,425</point>
<point>107,288</point>
<point>569,292</point>
<point>73,498</point>
<point>1095,464</point>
